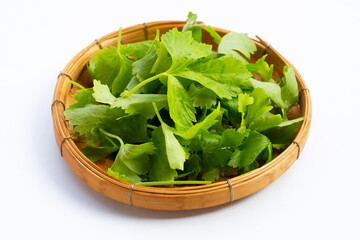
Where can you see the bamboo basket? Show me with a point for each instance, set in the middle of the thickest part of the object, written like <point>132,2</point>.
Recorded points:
<point>161,198</point>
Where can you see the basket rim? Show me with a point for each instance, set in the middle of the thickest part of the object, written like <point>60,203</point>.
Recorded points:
<point>57,114</point>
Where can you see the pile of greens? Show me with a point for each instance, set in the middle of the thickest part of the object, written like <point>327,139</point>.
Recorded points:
<point>172,111</point>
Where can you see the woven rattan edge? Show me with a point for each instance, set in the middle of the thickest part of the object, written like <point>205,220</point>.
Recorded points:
<point>146,31</point>
<point>231,190</point>
<point>98,43</point>
<point>67,75</point>
<point>57,101</point>
<point>62,142</point>
<point>302,90</point>
<point>299,148</point>
<point>130,194</point>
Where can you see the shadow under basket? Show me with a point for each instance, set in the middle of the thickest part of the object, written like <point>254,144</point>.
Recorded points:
<point>166,198</point>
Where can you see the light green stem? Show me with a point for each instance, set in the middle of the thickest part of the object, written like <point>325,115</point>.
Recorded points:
<point>160,183</point>
<point>152,126</point>
<point>157,112</point>
<point>141,84</point>
<point>284,113</point>
<point>183,175</point>
<point>77,84</point>
<point>112,136</point>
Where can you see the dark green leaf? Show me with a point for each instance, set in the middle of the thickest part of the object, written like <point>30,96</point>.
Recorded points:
<point>211,175</point>
<point>233,138</point>
<point>130,128</point>
<point>95,153</point>
<point>142,70</point>
<point>251,148</point>
<point>135,157</point>
<point>215,158</point>
<point>232,107</point>
<point>105,66</point>
<point>284,133</point>
<point>252,166</point>
<point>131,160</point>
<point>86,118</point>
<point>193,165</point>
<point>124,76</point>
<point>142,67</point>
<point>214,155</point>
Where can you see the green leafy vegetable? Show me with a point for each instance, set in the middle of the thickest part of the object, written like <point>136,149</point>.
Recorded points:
<point>213,34</point>
<point>182,112</point>
<point>194,28</point>
<point>284,96</point>
<point>171,111</point>
<point>131,160</point>
<point>83,98</point>
<point>235,43</point>
<point>102,93</point>
<point>105,66</point>
<point>174,151</point>
<point>263,68</point>
<point>141,103</point>
<point>204,125</point>
<point>201,96</point>
<point>183,49</point>
<point>254,144</point>
<point>86,118</point>
<point>160,169</point>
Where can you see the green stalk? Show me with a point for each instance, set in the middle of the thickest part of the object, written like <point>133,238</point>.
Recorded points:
<point>77,84</point>
<point>284,113</point>
<point>183,175</point>
<point>157,112</point>
<point>112,136</point>
<point>137,87</point>
<point>152,126</point>
<point>160,183</point>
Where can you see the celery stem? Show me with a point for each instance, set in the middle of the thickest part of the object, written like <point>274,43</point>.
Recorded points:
<point>159,183</point>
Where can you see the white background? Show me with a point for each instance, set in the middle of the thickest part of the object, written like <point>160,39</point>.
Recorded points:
<point>317,198</point>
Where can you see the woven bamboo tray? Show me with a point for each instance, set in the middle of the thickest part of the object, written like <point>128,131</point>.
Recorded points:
<point>177,198</point>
